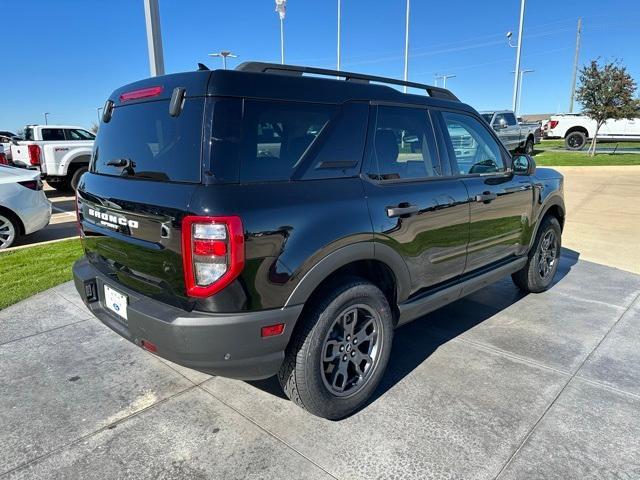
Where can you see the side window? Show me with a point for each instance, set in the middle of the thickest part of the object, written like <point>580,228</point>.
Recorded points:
<point>475,149</point>
<point>277,135</point>
<point>52,134</point>
<point>511,119</point>
<point>403,144</point>
<point>77,134</point>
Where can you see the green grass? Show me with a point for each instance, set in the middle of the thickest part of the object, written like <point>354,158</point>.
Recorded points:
<point>555,143</point>
<point>27,271</point>
<point>550,158</point>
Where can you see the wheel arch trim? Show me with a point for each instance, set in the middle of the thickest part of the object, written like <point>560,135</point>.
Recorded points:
<point>349,254</point>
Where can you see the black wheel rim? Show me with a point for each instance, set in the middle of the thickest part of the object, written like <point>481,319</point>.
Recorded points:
<point>574,141</point>
<point>548,255</point>
<point>351,350</point>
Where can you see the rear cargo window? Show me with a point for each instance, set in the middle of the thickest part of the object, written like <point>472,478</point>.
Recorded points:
<point>52,134</point>
<point>143,141</point>
<point>276,136</point>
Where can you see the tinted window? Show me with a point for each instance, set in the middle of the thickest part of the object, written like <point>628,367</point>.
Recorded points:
<point>487,117</point>
<point>275,136</point>
<point>475,149</point>
<point>144,141</point>
<point>403,144</point>
<point>510,118</point>
<point>28,134</point>
<point>52,134</point>
<point>77,134</point>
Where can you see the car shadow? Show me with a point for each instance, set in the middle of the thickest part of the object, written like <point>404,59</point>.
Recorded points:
<point>415,342</point>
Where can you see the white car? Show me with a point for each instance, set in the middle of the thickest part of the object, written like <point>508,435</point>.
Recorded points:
<point>60,152</point>
<point>24,208</point>
<point>575,129</point>
<point>5,144</point>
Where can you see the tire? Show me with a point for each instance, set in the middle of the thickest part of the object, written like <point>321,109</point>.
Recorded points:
<point>75,178</point>
<point>60,186</point>
<point>528,147</point>
<point>575,141</point>
<point>325,370</point>
<point>537,274</point>
<point>9,230</point>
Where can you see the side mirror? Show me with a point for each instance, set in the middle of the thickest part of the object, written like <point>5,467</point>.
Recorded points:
<point>523,165</point>
<point>500,124</point>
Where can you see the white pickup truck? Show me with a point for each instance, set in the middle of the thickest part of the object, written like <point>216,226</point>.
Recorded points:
<point>516,136</point>
<point>60,152</point>
<point>576,129</point>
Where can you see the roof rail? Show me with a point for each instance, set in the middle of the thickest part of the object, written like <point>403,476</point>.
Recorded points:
<point>260,67</point>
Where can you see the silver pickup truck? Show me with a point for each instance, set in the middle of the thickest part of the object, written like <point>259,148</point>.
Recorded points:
<point>514,135</point>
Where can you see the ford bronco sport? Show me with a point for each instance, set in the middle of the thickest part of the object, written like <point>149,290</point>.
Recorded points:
<point>276,219</point>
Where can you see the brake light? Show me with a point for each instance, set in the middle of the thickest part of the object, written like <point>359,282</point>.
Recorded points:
<point>32,184</point>
<point>553,124</point>
<point>142,93</point>
<point>3,159</point>
<point>212,253</point>
<point>34,154</point>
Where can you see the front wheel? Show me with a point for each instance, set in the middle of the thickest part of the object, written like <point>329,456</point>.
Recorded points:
<point>339,351</point>
<point>537,274</point>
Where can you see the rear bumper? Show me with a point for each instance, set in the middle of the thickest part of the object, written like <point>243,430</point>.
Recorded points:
<point>228,345</point>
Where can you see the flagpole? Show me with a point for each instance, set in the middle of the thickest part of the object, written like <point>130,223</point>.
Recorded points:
<point>281,10</point>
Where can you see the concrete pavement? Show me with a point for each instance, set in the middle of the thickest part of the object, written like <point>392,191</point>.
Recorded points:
<point>496,385</point>
<point>603,214</point>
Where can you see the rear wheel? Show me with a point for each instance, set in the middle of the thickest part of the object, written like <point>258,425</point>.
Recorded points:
<point>75,178</point>
<point>528,146</point>
<point>339,351</point>
<point>537,274</point>
<point>8,231</point>
<point>575,141</point>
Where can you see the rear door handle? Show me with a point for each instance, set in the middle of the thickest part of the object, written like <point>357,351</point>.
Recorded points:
<point>399,211</point>
<point>486,197</point>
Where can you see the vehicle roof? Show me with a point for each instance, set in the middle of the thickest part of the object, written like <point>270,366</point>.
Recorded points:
<point>56,126</point>
<point>279,86</point>
<point>481,112</point>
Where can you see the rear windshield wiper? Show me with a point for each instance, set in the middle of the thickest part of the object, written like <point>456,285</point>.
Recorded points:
<point>119,162</point>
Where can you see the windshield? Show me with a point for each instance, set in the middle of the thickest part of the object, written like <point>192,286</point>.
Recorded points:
<point>143,141</point>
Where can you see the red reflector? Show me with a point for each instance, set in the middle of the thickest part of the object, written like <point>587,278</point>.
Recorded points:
<point>273,330</point>
<point>209,247</point>
<point>142,93</point>
<point>147,345</point>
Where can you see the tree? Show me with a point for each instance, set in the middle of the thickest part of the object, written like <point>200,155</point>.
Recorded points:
<point>94,128</point>
<point>606,92</point>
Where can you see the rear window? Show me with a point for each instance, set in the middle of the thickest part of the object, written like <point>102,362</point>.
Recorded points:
<point>52,134</point>
<point>143,141</point>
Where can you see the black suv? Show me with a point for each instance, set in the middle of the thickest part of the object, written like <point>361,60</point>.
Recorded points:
<point>285,220</point>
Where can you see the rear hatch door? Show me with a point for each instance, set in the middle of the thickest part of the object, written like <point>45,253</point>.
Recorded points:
<point>145,168</point>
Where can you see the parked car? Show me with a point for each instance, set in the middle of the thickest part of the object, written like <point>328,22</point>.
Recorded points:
<point>515,136</point>
<point>3,156</point>
<point>5,143</point>
<point>576,129</point>
<point>24,208</point>
<point>247,223</point>
<point>60,152</point>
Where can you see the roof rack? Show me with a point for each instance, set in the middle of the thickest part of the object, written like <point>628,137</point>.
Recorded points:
<point>260,67</point>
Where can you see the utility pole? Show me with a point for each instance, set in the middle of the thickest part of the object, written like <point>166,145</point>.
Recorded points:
<point>444,79</point>
<point>98,112</point>
<point>522,72</point>
<point>575,66</point>
<point>406,48</point>
<point>154,37</point>
<point>46,119</point>
<point>281,9</point>
<point>518,51</point>
<point>339,19</point>
<point>223,54</point>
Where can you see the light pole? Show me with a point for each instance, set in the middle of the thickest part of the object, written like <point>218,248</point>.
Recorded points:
<point>444,79</point>
<point>518,48</point>
<point>154,37</point>
<point>339,25</point>
<point>46,119</point>
<point>522,72</point>
<point>406,47</point>
<point>281,9</point>
<point>575,66</point>
<point>223,54</point>
<point>98,112</point>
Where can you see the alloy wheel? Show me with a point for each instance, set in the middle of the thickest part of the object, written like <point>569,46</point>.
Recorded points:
<point>351,350</point>
<point>547,254</point>
<point>7,232</point>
